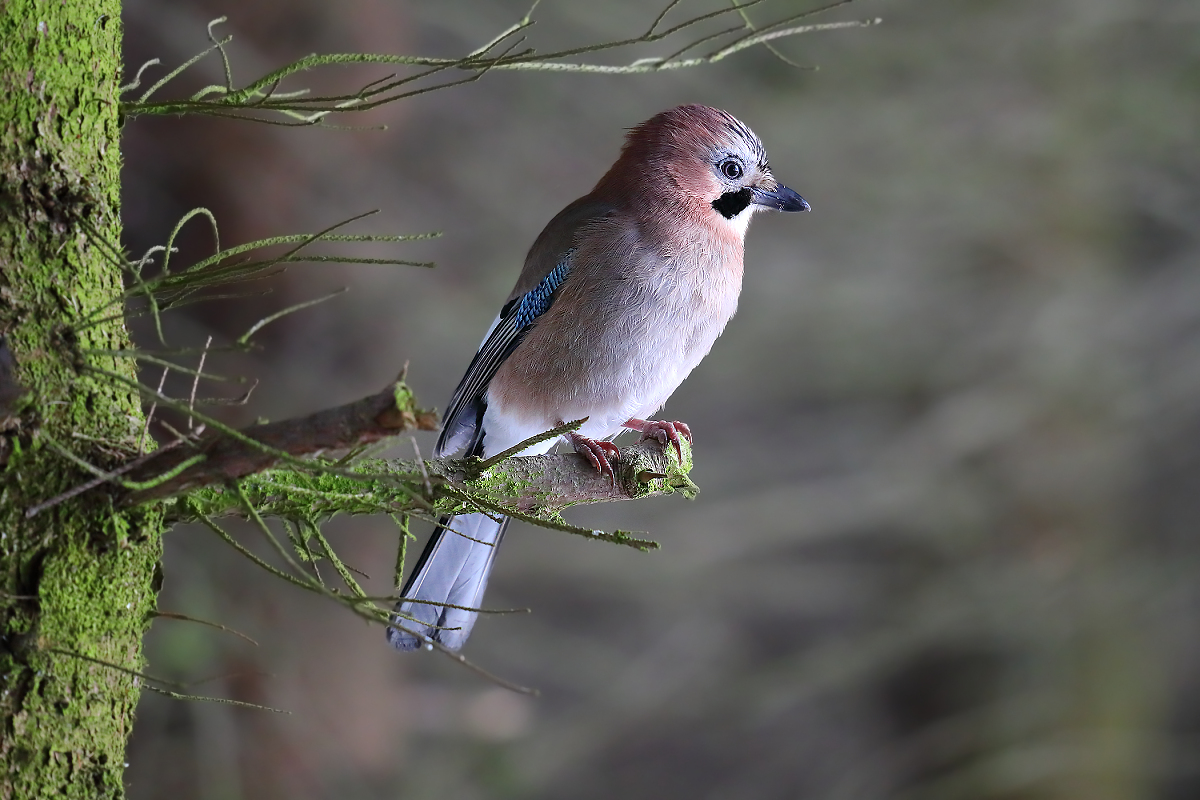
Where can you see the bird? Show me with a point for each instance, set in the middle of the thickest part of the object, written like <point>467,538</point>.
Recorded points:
<point>621,295</point>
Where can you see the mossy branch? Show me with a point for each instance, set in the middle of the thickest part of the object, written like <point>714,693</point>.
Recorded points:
<point>229,455</point>
<point>532,488</point>
<point>280,469</point>
<point>261,101</point>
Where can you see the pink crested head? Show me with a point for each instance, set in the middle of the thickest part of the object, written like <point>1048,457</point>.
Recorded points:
<point>675,151</point>
<point>688,132</point>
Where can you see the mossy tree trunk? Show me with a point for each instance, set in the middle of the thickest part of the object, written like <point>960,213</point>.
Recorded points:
<point>78,578</point>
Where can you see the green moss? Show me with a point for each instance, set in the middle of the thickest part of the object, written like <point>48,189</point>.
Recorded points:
<point>78,577</point>
<point>500,482</point>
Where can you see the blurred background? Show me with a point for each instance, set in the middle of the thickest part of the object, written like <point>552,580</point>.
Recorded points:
<point>949,449</point>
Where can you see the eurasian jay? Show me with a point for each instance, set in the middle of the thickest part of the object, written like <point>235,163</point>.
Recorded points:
<point>621,296</point>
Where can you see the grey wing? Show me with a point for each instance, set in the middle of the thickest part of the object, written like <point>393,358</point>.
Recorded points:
<point>462,426</point>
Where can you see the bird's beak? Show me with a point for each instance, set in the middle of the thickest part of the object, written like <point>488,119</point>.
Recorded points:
<point>781,199</point>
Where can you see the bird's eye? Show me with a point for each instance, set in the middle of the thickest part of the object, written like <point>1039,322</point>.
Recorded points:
<point>731,169</point>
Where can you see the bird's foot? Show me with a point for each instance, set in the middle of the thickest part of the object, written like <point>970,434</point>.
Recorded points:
<point>598,453</point>
<point>662,431</point>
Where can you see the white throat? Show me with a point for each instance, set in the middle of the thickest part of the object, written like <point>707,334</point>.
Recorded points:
<point>741,221</point>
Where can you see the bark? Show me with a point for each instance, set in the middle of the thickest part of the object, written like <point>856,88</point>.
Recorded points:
<point>78,581</point>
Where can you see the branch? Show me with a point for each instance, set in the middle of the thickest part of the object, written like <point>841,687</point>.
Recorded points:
<point>261,447</point>
<point>261,101</point>
<point>551,483</point>
<point>534,487</point>
<point>276,467</point>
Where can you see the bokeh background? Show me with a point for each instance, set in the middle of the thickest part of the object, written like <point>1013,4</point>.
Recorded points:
<point>949,450</point>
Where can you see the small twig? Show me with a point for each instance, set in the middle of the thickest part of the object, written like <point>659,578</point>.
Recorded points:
<point>464,661</point>
<point>401,521</point>
<point>99,479</point>
<point>772,49</point>
<point>399,598</point>
<point>117,667</point>
<point>179,435</point>
<point>278,573</point>
<point>421,464</point>
<point>221,700</point>
<point>375,614</point>
<point>553,433</point>
<point>217,625</point>
<point>150,414</point>
<point>196,382</point>
<point>241,400</point>
<point>256,327</point>
<point>137,79</point>
<point>616,537</point>
<point>342,570</point>
<point>472,538</point>
<point>299,535</point>
<point>261,524</point>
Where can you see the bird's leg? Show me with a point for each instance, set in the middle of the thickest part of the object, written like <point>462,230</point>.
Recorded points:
<point>597,452</point>
<point>663,431</point>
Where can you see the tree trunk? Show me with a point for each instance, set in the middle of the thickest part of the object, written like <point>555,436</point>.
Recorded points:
<point>78,578</point>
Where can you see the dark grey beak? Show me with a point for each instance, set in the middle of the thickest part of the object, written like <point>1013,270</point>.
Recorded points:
<point>782,199</point>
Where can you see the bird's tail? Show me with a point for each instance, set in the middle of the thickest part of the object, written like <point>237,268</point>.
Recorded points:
<point>452,571</point>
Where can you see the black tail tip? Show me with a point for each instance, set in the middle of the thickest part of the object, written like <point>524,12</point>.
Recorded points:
<point>404,639</point>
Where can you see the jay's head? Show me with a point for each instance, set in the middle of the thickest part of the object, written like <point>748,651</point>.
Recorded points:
<point>704,160</point>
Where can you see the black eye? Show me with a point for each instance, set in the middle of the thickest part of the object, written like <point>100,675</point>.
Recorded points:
<point>731,169</point>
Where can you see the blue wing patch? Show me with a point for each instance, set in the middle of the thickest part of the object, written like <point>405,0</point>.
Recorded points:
<point>462,426</point>
<point>536,302</point>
